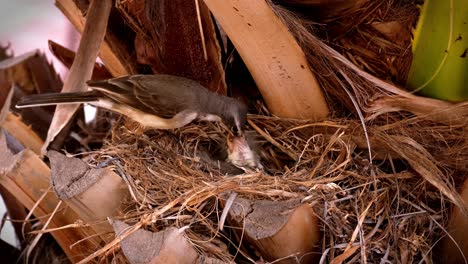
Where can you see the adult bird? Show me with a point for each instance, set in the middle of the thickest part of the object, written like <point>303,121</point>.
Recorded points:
<point>156,101</point>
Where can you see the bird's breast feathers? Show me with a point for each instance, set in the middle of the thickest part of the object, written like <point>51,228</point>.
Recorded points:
<point>149,120</point>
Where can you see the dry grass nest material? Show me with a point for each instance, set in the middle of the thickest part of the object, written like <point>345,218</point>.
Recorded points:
<point>394,208</point>
<point>382,193</point>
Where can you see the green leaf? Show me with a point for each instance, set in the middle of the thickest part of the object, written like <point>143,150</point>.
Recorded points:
<point>440,60</point>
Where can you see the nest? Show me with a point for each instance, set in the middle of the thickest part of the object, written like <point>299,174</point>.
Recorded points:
<point>380,174</point>
<point>381,208</point>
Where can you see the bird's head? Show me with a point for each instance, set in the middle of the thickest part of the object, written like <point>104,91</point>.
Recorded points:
<point>235,117</point>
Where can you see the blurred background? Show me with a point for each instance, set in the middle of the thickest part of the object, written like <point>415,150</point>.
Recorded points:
<point>27,25</point>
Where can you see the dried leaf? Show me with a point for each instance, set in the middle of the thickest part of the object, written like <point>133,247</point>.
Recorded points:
<point>192,52</point>
<point>82,68</point>
<point>67,56</point>
<point>261,219</point>
<point>278,229</point>
<point>277,64</point>
<point>167,246</point>
<point>115,51</point>
<point>7,158</point>
<point>71,176</point>
<point>5,98</point>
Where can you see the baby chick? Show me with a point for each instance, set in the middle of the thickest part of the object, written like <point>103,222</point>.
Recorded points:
<point>241,153</point>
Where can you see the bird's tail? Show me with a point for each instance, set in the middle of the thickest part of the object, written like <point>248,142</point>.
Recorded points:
<point>57,98</point>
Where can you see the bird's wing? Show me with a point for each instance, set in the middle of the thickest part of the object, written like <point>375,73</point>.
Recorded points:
<point>162,95</point>
<point>167,94</point>
<point>124,90</point>
<point>119,90</point>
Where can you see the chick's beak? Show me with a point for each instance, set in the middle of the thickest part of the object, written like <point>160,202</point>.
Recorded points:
<point>238,130</point>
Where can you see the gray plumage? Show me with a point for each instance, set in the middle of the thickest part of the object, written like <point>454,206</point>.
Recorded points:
<point>176,100</point>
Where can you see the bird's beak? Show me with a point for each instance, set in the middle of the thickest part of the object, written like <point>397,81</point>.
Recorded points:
<point>240,131</point>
